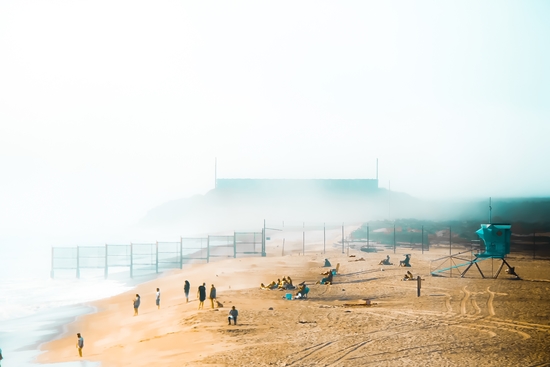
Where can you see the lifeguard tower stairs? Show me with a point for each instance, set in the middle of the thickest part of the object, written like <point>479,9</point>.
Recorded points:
<point>496,239</point>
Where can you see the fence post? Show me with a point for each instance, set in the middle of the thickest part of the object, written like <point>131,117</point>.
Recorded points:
<point>534,244</point>
<point>394,243</point>
<point>78,262</point>
<point>181,253</point>
<point>106,261</point>
<point>157,257</point>
<point>235,245</point>
<point>131,260</point>
<point>342,237</point>
<point>303,238</point>
<point>450,252</point>
<point>324,238</point>
<point>367,236</point>
<point>422,238</point>
<point>263,240</point>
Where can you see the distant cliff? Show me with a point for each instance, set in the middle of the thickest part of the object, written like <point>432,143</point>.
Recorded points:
<point>228,209</point>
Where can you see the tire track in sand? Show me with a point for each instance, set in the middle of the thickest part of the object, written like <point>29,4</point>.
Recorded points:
<point>464,300</point>
<point>490,302</point>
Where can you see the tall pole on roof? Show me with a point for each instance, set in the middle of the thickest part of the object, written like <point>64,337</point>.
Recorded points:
<point>490,210</point>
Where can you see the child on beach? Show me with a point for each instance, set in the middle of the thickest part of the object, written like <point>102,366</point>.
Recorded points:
<point>233,313</point>
<point>79,344</point>
<point>212,295</point>
<point>158,298</point>
<point>137,301</point>
<point>201,295</point>
<point>186,289</point>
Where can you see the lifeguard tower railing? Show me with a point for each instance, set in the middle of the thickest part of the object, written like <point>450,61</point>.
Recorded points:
<point>148,258</point>
<point>494,244</point>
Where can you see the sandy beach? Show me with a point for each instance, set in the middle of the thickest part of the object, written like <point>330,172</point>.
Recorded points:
<point>455,321</point>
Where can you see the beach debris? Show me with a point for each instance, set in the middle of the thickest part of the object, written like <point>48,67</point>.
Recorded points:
<point>343,290</point>
<point>270,308</point>
<point>368,303</point>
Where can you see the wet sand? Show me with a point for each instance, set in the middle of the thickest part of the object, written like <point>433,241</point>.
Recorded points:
<point>455,322</point>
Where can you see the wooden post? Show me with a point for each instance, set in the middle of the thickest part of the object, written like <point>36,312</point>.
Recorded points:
<point>418,285</point>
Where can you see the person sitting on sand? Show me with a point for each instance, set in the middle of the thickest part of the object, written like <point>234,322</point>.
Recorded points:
<point>289,281</point>
<point>408,276</point>
<point>327,280</point>
<point>406,261</point>
<point>270,286</point>
<point>386,261</point>
<point>302,291</point>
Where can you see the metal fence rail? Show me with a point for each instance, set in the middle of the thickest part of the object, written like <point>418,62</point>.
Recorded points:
<point>147,258</point>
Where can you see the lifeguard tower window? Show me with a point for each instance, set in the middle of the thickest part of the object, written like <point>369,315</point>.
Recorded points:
<point>496,238</point>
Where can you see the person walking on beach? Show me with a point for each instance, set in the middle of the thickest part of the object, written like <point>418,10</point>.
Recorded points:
<point>233,313</point>
<point>186,289</point>
<point>137,301</point>
<point>158,298</point>
<point>79,344</point>
<point>212,295</point>
<point>1,358</point>
<point>201,295</point>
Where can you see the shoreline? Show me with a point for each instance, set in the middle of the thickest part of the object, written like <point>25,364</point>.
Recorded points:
<point>333,326</point>
<point>23,337</point>
<point>293,249</point>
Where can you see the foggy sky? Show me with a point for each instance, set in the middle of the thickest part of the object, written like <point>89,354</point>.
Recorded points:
<point>108,109</point>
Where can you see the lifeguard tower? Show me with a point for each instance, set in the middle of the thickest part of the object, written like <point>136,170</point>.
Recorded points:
<point>496,240</point>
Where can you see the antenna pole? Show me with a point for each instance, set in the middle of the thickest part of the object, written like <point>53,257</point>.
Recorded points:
<point>490,209</point>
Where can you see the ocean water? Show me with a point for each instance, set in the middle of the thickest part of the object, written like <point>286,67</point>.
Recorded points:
<point>34,307</point>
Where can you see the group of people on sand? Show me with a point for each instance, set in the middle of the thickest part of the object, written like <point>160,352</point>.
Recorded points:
<point>201,295</point>
<point>284,284</point>
<point>405,263</point>
<point>137,301</point>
